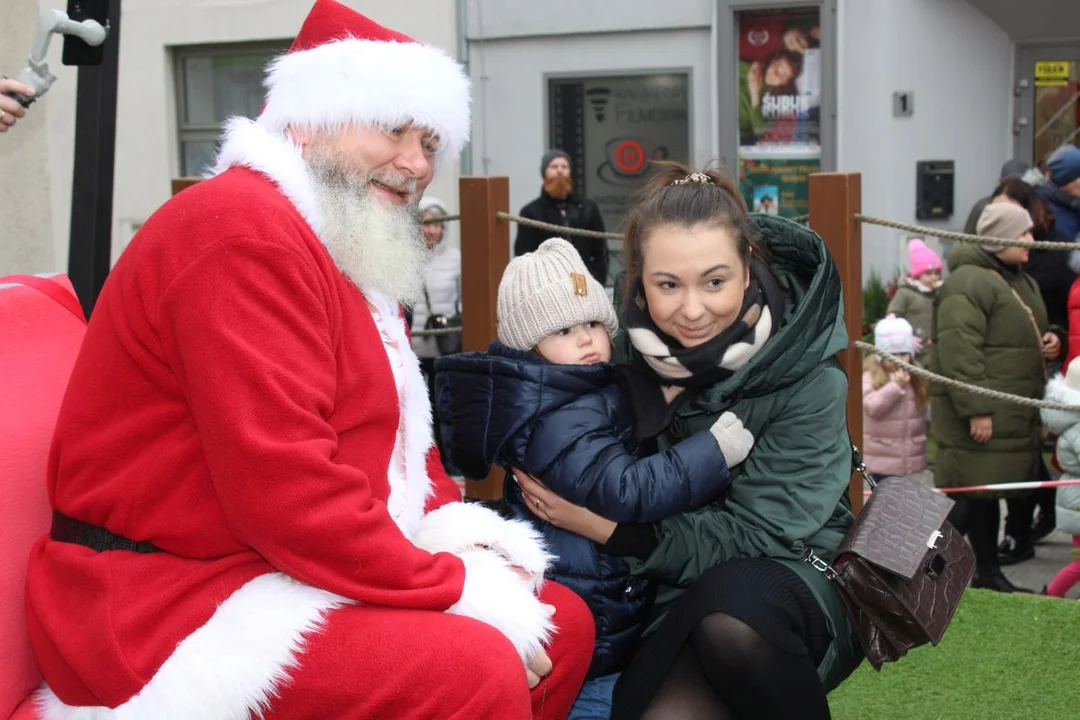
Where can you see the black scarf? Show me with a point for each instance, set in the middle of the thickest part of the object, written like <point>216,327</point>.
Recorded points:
<point>719,358</point>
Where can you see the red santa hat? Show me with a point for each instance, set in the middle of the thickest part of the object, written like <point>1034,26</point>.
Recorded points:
<point>345,68</point>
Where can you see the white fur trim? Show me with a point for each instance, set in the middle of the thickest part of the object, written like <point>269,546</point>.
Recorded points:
<point>228,669</point>
<point>408,495</point>
<point>497,595</point>
<point>247,144</point>
<point>1058,390</point>
<point>370,82</point>
<point>456,526</point>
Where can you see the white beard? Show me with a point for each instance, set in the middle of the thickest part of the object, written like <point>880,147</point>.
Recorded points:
<point>376,244</point>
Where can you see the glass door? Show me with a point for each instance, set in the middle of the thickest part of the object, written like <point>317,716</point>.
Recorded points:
<point>1048,110</point>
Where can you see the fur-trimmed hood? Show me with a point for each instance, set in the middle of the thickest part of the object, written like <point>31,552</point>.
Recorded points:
<point>1060,420</point>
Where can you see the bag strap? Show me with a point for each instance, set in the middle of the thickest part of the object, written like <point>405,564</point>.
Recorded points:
<point>49,288</point>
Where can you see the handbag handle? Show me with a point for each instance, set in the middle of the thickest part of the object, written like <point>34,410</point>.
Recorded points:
<point>859,466</point>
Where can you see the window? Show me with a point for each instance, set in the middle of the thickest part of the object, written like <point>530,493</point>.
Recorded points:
<point>214,83</point>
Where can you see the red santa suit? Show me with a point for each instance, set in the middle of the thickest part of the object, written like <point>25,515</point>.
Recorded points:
<point>244,407</point>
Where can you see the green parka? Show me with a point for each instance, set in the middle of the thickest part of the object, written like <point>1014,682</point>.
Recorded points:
<point>983,335</point>
<point>791,492</point>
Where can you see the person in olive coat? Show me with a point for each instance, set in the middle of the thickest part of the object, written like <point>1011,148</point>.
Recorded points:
<point>990,330</point>
<point>732,312</point>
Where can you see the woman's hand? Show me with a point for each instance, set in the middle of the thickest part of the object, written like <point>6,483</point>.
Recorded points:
<point>551,508</point>
<point>982,429</point>
<point>1051,346</point>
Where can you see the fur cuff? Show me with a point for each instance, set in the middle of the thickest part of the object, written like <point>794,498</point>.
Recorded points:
<point>497,595</point>
<point>459,526</point>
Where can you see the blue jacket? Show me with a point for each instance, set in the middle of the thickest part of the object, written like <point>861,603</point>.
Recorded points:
<point>572,426</point>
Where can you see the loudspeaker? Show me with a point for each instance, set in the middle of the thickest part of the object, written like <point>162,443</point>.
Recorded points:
<point>934,189</point>
<point>76,52</point>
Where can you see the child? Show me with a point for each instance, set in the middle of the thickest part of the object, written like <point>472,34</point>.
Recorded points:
<point>1065,389</point>
<point>546,399</point>
<point>894,405</point>
<point>914,298</point>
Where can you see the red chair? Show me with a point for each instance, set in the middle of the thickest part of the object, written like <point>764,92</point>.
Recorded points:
<point>41,326</point>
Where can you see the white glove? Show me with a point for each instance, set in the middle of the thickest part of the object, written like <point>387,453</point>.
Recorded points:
<point>735,441</point>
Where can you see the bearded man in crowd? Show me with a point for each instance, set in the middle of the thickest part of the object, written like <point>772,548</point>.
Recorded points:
<point>250,514</point>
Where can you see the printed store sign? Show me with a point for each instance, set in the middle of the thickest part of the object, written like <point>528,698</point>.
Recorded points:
<point>613,127</point>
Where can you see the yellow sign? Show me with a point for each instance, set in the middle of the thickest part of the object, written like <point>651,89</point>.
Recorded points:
<point>1052,73</point>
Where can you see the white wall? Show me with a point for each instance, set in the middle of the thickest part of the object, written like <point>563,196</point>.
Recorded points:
<point>510,95</point>
<point>35,156</point>
<point>959,64</point>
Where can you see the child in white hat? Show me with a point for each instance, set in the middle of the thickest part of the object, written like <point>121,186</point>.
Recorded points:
<point>894,405</point>
<point>546,400</point>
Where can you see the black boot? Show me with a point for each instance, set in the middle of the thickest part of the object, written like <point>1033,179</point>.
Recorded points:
<point>991,578</point>
<point>1012,551</point>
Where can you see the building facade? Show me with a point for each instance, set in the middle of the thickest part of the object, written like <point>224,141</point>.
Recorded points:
<point>925,98</point>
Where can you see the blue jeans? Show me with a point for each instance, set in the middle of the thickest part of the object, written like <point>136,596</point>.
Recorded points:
<point>594,700</point>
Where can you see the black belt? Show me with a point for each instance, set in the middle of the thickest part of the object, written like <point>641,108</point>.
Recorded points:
<point>69,530</point>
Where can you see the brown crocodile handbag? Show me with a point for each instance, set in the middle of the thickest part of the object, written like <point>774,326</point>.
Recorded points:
<point>901,569</point>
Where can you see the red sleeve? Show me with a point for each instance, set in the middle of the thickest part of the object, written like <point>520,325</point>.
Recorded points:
<point>249,331</point>
<point>1074,324</point>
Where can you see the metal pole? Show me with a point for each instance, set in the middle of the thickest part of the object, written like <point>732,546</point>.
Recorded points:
<point>90,249</point>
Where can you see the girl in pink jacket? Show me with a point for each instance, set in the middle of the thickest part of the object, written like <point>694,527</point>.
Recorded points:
<point>894,405</point>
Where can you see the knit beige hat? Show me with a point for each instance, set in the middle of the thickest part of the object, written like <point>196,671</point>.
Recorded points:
<point>1003,220</point>
<point>546,291</point>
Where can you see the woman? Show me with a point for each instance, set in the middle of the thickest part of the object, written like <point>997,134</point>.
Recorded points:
<point>1055,279</point>
<point>742,627</point>
<point>990,330</point>
<point>442,293</point>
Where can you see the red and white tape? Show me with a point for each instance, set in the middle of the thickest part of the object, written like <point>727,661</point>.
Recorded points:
<point>1001,487</point>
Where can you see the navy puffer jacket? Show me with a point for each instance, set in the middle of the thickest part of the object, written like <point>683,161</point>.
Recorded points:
<point>572,427</point>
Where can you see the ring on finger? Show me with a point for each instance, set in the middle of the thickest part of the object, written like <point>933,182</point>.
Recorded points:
<point>538,503</point>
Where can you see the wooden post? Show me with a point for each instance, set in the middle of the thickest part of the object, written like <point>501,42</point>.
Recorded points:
<point>485,252</point>
<point>183,183</point>
<point>835,198</point>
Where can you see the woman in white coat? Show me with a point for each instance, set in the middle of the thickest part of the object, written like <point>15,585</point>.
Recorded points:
<point>442,292</point>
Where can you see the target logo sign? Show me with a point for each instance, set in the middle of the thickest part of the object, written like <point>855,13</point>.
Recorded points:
<point>629,156</point>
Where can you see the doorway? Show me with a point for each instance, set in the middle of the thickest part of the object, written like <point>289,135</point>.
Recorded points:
<point>1048,110</point>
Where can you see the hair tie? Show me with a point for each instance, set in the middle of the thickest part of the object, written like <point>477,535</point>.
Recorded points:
<point>694,177</point>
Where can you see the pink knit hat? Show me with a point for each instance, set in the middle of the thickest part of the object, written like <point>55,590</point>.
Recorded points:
<point>921,258</point>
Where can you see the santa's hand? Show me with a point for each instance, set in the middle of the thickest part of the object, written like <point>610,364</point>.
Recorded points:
<point>458,527</point>
<point>496,594</point>
<point>536,668</point>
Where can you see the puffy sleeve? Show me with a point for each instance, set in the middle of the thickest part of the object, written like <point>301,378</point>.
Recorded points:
<point>794,479</point>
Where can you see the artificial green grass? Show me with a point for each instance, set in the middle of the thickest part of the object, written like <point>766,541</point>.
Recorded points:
<point>1003,656</point>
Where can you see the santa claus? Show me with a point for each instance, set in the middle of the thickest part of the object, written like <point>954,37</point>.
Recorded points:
<point>250,515</point>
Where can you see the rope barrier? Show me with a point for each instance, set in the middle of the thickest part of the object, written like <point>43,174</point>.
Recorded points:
<point>800,219</point>
<point>964,237</point>
<point>1002,487</point>
<point>974,389</point>
<point>436,332</point>
<point>557,229</point>
<point>440,219</point>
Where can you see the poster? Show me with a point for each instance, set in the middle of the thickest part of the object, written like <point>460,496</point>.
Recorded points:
<point>780,78</point>
<point>613,127</point>
<point>777,186</point>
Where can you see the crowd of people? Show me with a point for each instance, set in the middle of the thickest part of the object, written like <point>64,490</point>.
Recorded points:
<point>1005,318</point>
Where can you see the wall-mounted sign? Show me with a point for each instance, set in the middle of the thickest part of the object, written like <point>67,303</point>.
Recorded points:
<point>903,103</point>
<point>1052,73</point>
<point>613,127</point>
<point>777,186</point>
<point>780,78</point>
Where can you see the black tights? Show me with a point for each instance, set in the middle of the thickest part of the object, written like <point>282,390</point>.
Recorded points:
<point>728,671</point>
<point>979,519</point>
